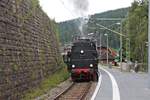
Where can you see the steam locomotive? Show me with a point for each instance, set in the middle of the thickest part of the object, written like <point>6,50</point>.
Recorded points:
<point>82,60</point>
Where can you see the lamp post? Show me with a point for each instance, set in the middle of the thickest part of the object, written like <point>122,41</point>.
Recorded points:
<point>121,46</point>
<point>149,46</point>
<point>120,34</point>
<point>100,47</point>
<point>107,47</point>
<point>128,46</point>
<point>121,52</point>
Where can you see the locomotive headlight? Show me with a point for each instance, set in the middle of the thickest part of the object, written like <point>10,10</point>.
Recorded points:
<point>81,51</point>
<point>91,65</point>
<point>73,66</point>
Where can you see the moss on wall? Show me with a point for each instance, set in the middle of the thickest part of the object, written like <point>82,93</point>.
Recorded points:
<point>29,50</point>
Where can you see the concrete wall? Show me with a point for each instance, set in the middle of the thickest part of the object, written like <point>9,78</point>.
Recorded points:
<point>28,47</point>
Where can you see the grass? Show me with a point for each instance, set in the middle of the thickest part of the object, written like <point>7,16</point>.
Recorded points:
<point>49,83</point>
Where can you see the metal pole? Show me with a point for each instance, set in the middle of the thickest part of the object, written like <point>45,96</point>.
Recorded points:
<point>107,50</point>
<point>121,48</point>
<point>107,47</point>
<point>149,46</point>
<point>128,49</point>
<point>100,46</point>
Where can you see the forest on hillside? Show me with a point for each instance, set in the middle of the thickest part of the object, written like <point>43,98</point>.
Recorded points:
<point>97,19</point>
<point>134,25</point>
<point>70,29</point>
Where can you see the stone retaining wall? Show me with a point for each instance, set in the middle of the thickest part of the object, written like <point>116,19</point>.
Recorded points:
<point>28,47</point>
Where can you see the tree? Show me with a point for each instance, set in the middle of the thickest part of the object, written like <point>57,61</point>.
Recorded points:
<point>136,27</point>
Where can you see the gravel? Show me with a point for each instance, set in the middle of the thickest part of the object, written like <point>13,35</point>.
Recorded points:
<point>50,95</point>
<point>91,91</point>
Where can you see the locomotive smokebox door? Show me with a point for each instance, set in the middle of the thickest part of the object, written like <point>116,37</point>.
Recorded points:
<point>83,60</point>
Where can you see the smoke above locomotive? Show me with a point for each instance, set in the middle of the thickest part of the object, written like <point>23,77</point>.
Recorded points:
<point>80,8</point>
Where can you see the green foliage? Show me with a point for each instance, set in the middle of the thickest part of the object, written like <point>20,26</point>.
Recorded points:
<point>42,56</point>
<point>55,28</point>
<point>35,3</point>
<point>29,14</point>
<point>136,26</point>
<point>1,68</point>
<point>118,13</point>
<point>48,83</point>
<point>114,39</point>
<point>68,29</point>
<point>14,66</point>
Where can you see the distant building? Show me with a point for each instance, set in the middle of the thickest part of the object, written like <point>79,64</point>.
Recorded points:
<point>103,54</point>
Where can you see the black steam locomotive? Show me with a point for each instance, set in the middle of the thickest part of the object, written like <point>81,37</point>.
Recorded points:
<point>82,60</point>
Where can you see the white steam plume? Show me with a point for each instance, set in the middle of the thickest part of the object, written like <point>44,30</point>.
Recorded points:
<point>81,8</point>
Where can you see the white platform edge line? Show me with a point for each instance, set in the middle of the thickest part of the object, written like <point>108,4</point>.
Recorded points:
<point>116,93</point>
<point>97,87</point>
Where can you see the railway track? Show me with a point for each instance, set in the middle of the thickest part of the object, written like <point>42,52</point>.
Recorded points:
<point>77,91</point>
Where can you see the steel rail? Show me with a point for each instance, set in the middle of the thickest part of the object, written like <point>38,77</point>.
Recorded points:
<point>63,92</point>
<point>77,91</point>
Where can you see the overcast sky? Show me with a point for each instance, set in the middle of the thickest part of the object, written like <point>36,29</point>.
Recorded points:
<point>62,10</point>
